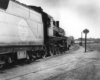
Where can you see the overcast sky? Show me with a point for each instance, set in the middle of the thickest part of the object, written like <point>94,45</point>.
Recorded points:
<point>74,15</point>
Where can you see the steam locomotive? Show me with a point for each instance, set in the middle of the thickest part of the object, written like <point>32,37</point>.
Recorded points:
<point>27,32</point>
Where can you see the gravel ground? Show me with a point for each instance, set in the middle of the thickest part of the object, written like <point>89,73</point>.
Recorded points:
<point>74,66</point>
<point>87,68</point>
<point>88,72</point>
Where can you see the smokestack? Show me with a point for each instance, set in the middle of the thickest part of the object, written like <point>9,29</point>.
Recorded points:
<point>57,23</point>
<point>54,23</point>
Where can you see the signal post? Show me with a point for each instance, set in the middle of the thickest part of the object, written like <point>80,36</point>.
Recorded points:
<point>85,32</point>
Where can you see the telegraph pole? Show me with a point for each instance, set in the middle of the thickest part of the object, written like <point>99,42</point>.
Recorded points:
<point>81,38</point>
<point>85,41</point>
<point>85,32</point>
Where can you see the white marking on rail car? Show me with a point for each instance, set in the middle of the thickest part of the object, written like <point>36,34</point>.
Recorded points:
<point>23,30</point>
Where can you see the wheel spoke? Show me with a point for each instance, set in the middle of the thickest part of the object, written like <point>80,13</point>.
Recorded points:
<point>1,66</point>
<point>32,58</point>
<point>27,57</point>
<point>58,51</point>
<point>9,60</point>
<point>44,55</point>
<point>51,54</point>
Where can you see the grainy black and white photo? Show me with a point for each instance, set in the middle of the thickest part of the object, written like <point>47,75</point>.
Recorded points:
<point>49,40</point>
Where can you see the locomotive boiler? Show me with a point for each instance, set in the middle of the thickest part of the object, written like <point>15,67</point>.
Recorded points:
<point>27,32</point>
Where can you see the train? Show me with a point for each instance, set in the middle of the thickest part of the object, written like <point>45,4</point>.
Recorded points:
<point>27,32</point>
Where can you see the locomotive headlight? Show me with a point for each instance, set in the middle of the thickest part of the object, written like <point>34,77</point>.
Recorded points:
<point>23,30</point>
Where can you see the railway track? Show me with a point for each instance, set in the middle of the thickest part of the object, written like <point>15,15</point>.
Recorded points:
<point>45,68</point>
<point>73,48</point>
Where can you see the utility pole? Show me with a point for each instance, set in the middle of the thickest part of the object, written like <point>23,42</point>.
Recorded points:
<point>85,41</point>
<point>81,38</point>
<point>85,32</point>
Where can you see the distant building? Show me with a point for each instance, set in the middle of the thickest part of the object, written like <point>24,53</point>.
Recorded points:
<point>88,41</point>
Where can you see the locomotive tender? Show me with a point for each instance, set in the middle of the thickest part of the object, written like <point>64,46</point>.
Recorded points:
<point>27,32</point>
